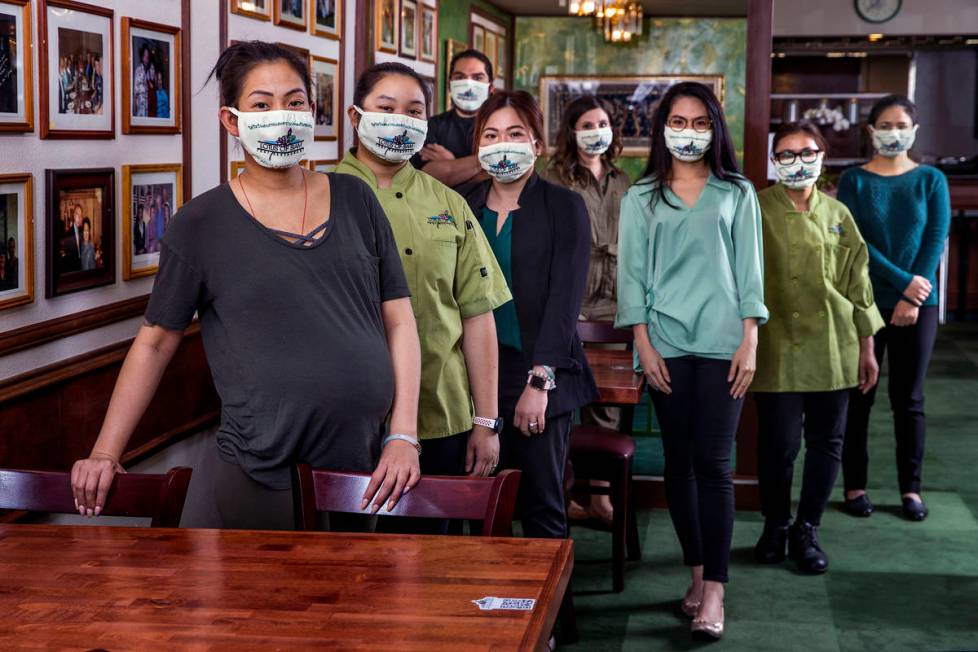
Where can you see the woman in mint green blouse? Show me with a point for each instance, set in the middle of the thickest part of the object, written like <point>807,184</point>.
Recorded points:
<point>690,283</point>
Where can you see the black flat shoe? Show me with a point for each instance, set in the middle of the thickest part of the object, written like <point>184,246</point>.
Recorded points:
<point>770,548</point>
<point>915,510</point>
<point>859,506</point>
<point>804,549</point>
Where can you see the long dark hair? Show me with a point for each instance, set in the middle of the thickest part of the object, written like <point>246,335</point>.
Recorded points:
<point>566,163</point>
<point>720,157</point>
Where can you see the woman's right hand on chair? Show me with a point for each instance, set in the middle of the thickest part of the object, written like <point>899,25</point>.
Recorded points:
<point>90,481</point>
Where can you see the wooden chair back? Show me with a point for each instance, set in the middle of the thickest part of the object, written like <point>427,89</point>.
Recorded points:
<point>158,496</point>
<point>603,332</point>
<point>490,500</point>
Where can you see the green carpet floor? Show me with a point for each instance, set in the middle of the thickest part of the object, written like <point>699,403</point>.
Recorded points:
<point>893,585</point>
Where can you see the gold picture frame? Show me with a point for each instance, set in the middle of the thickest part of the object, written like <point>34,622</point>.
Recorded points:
<point>23,292</point>
<point>252,8</point>
<point>452,47</point>
<point>323,30</point>
<point>137,261</point>
<point>387,26</point>
<point>22,120</point>
<point>135,124</point>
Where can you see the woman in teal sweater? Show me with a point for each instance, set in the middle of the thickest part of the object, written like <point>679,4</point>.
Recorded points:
<point>903,211</point>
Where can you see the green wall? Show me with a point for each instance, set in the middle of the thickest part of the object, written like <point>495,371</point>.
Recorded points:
<point>571,46</point>
<point>453,23</point>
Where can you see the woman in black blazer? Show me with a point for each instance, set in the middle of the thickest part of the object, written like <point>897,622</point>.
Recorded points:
<point>541,236</point>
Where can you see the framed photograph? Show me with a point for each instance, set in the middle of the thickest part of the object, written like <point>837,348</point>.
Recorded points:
<point>327,17</point>
<point>17,244</point>
<point>452,47</point>
<point>409,29</point>
<point>491,41</point>
<point>77,88</point>
<point>80,243</point>
<point>151,78</point>
<point>632,99</point>
<point>302,52</point>
<point>151,194</point>
<point>237,167</point>
<point>327,89</point>
<point>290,13</point>
<point>479,38</point>
<point>258,9</point>
<point>502,56</point>
<point>323,165</point>
<point>16,75</point>
<point>429,34</point>
<point>386,25</point>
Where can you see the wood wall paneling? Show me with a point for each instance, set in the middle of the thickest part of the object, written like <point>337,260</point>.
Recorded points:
<point>757,101</point>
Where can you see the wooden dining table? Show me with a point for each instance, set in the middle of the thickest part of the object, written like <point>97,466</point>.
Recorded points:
<point>615,376</point>
<point>97,587</point>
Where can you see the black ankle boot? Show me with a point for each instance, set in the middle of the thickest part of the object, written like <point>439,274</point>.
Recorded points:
<point>770,547</point>
<point>804,549</point>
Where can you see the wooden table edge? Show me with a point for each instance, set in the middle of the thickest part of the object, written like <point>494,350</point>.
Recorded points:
<point>542,622</point>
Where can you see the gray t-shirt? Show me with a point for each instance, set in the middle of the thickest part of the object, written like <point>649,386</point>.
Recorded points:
<point>293,333</point>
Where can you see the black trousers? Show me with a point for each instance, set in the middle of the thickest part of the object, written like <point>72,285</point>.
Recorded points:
<point>540,457</point>
<point>909,348</point>
<point>781,418</point>
<point>442,456</point>
<point>699,420</point>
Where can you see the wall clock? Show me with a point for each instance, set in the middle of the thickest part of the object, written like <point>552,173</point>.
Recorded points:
<point>877,11</point>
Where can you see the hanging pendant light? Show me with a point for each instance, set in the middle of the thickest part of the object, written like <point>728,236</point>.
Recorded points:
<point>619,20</point>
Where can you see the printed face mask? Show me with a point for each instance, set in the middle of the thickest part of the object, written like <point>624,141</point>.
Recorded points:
<point>799,175</point>
<point>391,136</point>
<point>275,139</point>
<point>507,162</point>
<point>891,142</point>
<point>468,94</point>
<point>688,144</point>
<point>594,141</point>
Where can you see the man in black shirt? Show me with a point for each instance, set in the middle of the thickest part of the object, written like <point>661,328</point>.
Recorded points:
<point>447,154</point>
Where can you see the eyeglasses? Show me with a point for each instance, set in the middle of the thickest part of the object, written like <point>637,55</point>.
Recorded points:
<point>787,157</point>
<point>678,123</point>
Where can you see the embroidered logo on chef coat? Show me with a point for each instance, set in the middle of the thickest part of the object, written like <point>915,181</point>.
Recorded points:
<point>837,229</point>
<point>442,218</point>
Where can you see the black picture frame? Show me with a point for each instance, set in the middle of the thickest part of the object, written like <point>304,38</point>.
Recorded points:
<point>92,189</point>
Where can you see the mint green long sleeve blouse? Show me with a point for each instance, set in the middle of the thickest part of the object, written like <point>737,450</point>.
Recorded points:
<point>691,274</point>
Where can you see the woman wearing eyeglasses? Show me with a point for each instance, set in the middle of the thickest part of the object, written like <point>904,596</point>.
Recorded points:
<point>816,347</point>
<point>690,283</point>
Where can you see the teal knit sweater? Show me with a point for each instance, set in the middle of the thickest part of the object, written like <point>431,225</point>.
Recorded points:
<point>904,220</point>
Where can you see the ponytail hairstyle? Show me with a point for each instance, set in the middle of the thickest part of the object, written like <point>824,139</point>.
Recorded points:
<point>240,58</point>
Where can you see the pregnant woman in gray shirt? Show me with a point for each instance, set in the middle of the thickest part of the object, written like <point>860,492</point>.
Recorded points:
<point>304,314</point>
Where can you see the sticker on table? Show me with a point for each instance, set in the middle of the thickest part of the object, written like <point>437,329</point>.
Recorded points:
<point>490,603</point>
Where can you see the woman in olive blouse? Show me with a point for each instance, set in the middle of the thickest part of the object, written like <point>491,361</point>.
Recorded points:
<point>690,283</point>
<point>817,345</point>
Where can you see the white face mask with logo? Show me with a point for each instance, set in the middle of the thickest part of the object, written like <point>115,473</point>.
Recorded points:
<point>275,139</point>
<point>391,136</point>
<point>507,162</point>
<point>468,94</point>
<point>594,141</point>
<point>688,144</point>
<point>892,142</point>
<point>798,175</point>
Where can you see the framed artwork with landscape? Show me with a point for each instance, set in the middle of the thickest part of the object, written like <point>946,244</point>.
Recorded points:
<point>327,90</point>
<point>80,228</point>
<point>386,25</point>
<point>290,13</point>
<point>327,17</point>
<point>77,87</point>
<point>150,79</point>
<point>151,194</point>
<point>16,240</point>
<point>16,75</point>
<point>632,98</point>
<point>257,9</point>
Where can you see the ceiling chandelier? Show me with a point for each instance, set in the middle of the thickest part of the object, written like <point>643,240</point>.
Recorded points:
<point>617,20</point>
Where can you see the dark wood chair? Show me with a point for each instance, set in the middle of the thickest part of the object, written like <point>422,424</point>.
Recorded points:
<point>598,453</point>
<point>490,501</point>
<point>157,496</point>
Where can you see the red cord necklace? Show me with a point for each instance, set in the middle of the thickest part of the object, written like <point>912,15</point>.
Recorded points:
<point>305,201</point>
